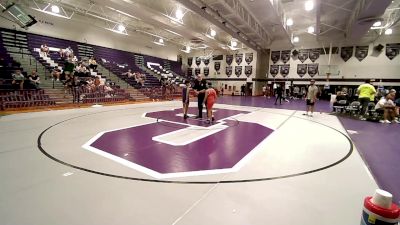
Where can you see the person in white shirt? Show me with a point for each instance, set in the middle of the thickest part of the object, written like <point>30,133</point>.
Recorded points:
<point>311,98</point>
<point>387,106</point>
<point>44,49</point>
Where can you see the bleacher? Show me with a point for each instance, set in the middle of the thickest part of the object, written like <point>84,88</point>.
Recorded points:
<point>23,98</point>
<point>117,62</point>
<point>120,62</point>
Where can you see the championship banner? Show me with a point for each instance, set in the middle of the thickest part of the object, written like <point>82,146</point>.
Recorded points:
<point>346,53</point>
<point>248,58</point>
<point>312,69</point>
<point>248,70</point>
<point>275,56</point>
<point>303,55</point>
<point>314,54</point>
<point>189,72</point>
<point>301,69</point>
<point>392,50</point>
<point>190,61</point>
<point>206,61</point>
<point>198,61</point>
<point>361,52</point>
<point>274,70</point>
<point>196,71</point>
<point>285,56</point>
<point>285,69</point>
<point>239,58</point>
<point>228,71</point>
<point>217,66</point>
<point>238,70</point>
<point>206,71</point>
<point>229,59</point>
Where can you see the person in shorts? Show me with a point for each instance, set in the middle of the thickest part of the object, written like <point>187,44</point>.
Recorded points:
<point>311,98</point>
<point>209,100</point>
<point>185,98</point>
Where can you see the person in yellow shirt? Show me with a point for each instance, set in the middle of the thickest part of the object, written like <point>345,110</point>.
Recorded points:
<point>366,93</point>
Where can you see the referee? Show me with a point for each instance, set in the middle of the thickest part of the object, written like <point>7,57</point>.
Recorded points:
<point>200,87</point>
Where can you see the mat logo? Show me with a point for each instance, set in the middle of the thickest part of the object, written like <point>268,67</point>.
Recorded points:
<point>170,146</point>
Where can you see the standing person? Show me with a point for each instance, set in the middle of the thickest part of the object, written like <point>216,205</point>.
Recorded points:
<point>209,100</point>
<point>243,90</point>
<point>366,93</point>
<point>200,87</point>
<point>185,98</point>
<point>278,93</point>
<point>264,90</point>
<point>311,98</point>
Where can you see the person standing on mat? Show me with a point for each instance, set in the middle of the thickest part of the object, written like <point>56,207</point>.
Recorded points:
<point>209,100</point>
<point>200,86</point>
<point>185,98</point>
<point>311,98</point>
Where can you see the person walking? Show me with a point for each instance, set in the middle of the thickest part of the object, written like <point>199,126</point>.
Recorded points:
<point>366,93</point>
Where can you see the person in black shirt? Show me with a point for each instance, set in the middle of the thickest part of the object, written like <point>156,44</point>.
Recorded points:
<point>278,94</point>
<point>200,87</point>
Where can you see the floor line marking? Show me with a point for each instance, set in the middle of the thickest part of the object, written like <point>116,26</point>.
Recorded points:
<point>197,202</point>
<point>291,115</point>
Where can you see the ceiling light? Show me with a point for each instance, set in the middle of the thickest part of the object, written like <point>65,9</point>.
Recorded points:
<point>121,27</point>
<point>310,30</point>
<point>179,14</point>
<point>55,9</point>
<point>234,43</point>
<point>377,24</point>
<point>213,33</point>
<point>289,22</point>
<point>161,40</point>
<point>296,39</point>
<point>388,31</point>
<point>309,5</point>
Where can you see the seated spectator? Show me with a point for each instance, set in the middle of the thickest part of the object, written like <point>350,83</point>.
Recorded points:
<point>44,49</point>
<point>82,71</point>
<point>34,79</point>
<point>56,73</point>
<point>107,88</point>
<point>18,79</point>
<point>92,63</point>
<point>129,74</point>
<point>96,82</point>
<point>386,106</point>
<point>68,52</point>
<point>341,99</point>
<point>85,63</point>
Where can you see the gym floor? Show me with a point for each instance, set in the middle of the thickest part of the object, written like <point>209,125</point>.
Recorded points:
<point>145,164</point>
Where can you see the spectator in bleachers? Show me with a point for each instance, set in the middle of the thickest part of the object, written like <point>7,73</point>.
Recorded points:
<point>96,82</point>
<point>82,71</point>
<point>386,106</point>
<point>18,79</point>
<point>107,88</point>
<point>68,52</point>
<point>56,73</point>
<point>129,74</point>
<point>85,63</point>
<point>366,93</point>
<point>92,63</point>
<point>34,79</point>
<point>44,49</point>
